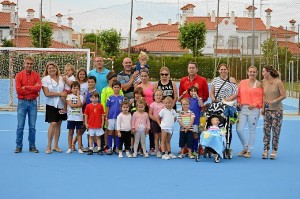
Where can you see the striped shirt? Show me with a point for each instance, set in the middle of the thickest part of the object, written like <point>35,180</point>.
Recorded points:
<point>227,90</point>
<point>185,118</point>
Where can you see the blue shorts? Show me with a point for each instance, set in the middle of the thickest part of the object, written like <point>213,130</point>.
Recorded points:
<point>75,125</point>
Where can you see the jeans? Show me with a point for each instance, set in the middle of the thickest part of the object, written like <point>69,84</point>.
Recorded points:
<point>251,117</point>
<point>26,107</point>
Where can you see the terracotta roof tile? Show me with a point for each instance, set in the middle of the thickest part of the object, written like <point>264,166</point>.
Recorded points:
<point>269,10</point>
<point>25,42</point>
<point>281,32</point>
<point>292,47</point>
<point>5,2</point>
<point>160,27</point>
<point>4,19</point>
<point>13,4</point>
<point>169,34</point>
<point>243,23</point>
<point>228,51</point>
<point>186,7</point>
<point>161,45</point>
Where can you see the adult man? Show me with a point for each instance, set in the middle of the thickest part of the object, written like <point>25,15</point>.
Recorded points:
<point>28,86</point>
<point>100,73</point>
<point>126,77</point>
<point>193,79</point>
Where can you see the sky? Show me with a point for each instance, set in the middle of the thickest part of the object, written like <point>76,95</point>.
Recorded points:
<point>105,14</point>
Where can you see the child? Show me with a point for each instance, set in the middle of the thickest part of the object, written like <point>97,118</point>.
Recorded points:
<point>141,64</point>
<point>196,103</point>
<point>124,129</point>
<point>186,119</point>
<point>113,105</point>
<point>94,119</point>
<point>68,78</point>
<point>155,108</point>
<point>140,127</point>
<point>75,116</point>
<point>167,119</point>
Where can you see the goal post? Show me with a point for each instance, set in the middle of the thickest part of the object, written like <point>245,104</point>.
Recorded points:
<point>11,62</point>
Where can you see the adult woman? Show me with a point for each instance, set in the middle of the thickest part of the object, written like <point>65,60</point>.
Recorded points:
<point>250,97</point>
<point>53,86</point>
<point>224,89</point>
<point>274,93</point>
<point>148,90</point>
<point>166,85</point>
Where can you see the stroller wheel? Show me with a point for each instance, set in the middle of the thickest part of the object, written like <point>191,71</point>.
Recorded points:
<point>205,153</point>
<point>216,158</point>
<point>209,154</point>
<point>197,157</point>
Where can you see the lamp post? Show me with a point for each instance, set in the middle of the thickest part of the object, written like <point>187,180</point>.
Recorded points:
<point>253,36</point>
<point>217,38</point>
<point>41,15</point>
<point>130,29</point>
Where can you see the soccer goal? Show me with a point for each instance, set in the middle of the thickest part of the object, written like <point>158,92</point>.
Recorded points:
<point>11,62</point>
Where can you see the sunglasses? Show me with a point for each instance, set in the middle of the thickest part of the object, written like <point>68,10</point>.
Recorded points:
<point>164,74</point>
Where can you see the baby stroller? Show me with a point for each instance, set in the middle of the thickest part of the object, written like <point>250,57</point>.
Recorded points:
<point>218,109</point>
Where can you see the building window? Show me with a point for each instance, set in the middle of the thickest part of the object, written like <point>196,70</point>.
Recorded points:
<point>233,42</point>
<point>220,41</point>
<point>249,42</point>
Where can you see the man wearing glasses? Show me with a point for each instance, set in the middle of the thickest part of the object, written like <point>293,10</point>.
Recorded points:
<point>100,73</point>
<point>193,79</point>
<point>28,86</point>
<point>127,77</point>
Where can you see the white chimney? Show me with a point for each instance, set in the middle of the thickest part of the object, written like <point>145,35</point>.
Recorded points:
<point>5,6</point>
<point>268,18</point>
<point>70,20</point>
<point>213,16</point>
<point>187,11</point>
<point>139,22</point>
<point>232,16</point>
<point>59,19</point>
<point>292,23</point>
<point>169,22</point>
<point>13,13</point>
<point>251,11</point>
<point>30,14</point>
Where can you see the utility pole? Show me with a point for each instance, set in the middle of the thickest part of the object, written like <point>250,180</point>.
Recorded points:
<point>41,17</point>
<point>217,38</point>
<point>130,29</point>
<point>253,36</point>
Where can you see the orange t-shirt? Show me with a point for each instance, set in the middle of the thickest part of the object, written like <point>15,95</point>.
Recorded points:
<point>248,95</point>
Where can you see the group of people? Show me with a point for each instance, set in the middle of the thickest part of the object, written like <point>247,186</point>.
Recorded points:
<point>119,111</point>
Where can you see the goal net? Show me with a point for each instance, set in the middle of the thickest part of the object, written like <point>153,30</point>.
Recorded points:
<point>11,62</point>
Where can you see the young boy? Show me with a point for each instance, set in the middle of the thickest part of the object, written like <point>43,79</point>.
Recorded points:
<point>94,119</point>
<point>75,116</point>
<point>113,105</point>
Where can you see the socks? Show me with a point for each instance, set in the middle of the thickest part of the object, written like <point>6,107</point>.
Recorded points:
<point>195,146</point>
<point>109,140</point>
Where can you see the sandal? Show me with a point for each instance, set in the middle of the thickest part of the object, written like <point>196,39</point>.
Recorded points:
<point>242,153</point>
<point>48,151</point>
<point>265,155</point>
<point>58,150</point>
<point>273,155</point>
<point>247,155</point>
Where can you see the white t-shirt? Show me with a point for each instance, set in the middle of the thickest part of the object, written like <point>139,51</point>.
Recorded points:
<point>74,114</point>
<point>56,87</point>
<point>69,79</point>
<point>84,89</point>
<point>167,118</point>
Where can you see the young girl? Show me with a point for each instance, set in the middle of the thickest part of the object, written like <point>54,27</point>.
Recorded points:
<point>155,108</point>
<point>140,127</point>
<point>124,129</point>
<point>68,78</point>
<point>167,119</point>
<point>186,119</point>
<point>75,116</point>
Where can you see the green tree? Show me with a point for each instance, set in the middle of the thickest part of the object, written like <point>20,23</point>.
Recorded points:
<point>192,36</point>
<point>46,34</point>
<point>7,43</point>
<point>89,41</point>
<point>110,42</point>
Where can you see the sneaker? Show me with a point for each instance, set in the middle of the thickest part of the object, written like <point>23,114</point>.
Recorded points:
<point>69,151</point>
<point>192,157</point>
<point>120,155</point>
<point>134,155</point>
<point>100,152</point>
<point>109,151</point>
<point>172,156</point>
<point>158,154</point>
<point>116,151</point>
<point>128,155</point>
<point>181,156</point>
<point>247,155</point>
<point>194,153</point>
<point>80,151</point>
<point>90,152</point>
<point>152,151</point>
<point>18,150</point>
<point>165,157</point>
<point>146,155</point>
<point>86,149</point>
<point>95,149</point>
<point>33,150</point>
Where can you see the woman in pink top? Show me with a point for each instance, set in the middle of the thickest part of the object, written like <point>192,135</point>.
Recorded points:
<point>148,90</point>
<point>250,97</point>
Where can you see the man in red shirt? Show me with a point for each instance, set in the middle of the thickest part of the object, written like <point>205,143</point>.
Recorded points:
<point>193,79</point>
<point>28,86</point>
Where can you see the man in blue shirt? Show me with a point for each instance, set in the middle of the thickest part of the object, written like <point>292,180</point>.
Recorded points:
<point>100,73</point>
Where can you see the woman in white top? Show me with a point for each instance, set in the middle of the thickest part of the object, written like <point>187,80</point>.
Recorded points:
<point>53,87</point>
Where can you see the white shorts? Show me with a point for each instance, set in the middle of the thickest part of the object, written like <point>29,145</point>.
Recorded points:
<point>196,128</point>
<point>112,124</point>
<point>96,132</point>
<point>170,131</point>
